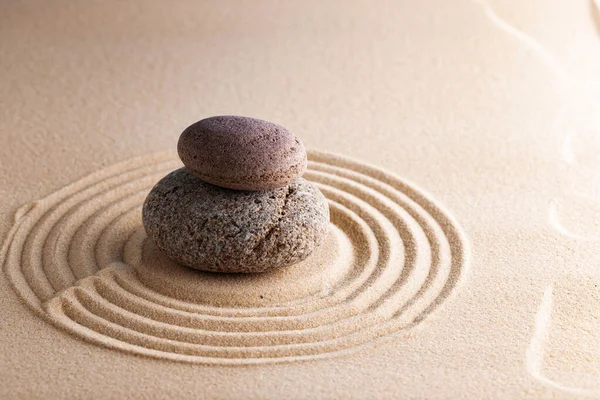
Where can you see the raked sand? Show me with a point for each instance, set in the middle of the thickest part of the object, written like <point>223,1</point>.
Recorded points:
<point>457,145</point>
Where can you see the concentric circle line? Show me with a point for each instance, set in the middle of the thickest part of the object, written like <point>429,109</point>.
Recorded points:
<point>27,215</point>
<point>412,257</point>
<point>199,336</point>
<point>60,237</point>
<point>205,322</point>
<point>85,237</point>
<point>405,258</point>
<point>110,247</point>
<point>387,189</point>
<point>58,251</point>
<point>77,311</point>
<point>134,258</point>
<point>42,287</point>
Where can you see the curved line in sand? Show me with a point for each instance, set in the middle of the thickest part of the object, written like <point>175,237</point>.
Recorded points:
<point>586,85</point>
<point>72,258</point>
<point>534,354</point>
<point>556,223</point>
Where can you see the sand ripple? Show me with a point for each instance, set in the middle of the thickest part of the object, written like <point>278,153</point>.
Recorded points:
<point>80,259</point>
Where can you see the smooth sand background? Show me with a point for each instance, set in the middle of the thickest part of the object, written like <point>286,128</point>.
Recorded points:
<point>500,129</point>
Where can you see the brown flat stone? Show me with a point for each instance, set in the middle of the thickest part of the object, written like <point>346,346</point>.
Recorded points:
<point>242,153</point>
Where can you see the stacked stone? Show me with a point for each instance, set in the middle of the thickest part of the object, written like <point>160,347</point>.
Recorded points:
<point>240,204</point>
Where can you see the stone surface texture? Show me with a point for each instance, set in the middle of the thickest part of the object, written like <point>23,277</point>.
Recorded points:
<point>211,228</point>
<point>242,153</point>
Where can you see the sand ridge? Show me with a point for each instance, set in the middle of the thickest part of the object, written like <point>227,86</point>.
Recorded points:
<point>80,259</point>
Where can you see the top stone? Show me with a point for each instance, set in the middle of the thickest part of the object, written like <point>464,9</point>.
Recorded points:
<point>242,153</point>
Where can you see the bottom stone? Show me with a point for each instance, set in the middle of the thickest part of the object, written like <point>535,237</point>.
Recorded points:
<point>215,229</point>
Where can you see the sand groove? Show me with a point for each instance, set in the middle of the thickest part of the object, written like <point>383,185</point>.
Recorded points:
<point>81,259</point>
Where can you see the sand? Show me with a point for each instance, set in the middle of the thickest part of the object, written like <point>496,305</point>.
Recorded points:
<point>81,259</point>
<point>457,146</point>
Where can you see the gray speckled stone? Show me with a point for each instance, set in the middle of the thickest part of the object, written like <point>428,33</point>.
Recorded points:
<point>242,153</point>
<point>216,229</point>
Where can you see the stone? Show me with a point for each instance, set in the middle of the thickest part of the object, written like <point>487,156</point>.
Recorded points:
<point>242,153</point>
<point>211,228</point>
